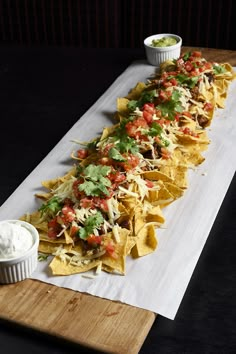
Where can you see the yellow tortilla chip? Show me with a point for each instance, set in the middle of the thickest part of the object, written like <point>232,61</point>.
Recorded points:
<point>117,262</point>
<point>155,215</point>
<point>60,267</point>
<point>122,107</point>
<point>146,242</point>
<point>135,93</point>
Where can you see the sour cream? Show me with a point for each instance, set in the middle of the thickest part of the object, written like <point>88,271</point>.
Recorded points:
<point>15,240</point>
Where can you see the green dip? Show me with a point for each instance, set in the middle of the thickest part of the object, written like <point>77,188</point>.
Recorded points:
<point>163,42</point>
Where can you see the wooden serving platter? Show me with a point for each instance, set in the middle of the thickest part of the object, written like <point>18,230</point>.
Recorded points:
<point>101,324</point>
<point>97,323</point>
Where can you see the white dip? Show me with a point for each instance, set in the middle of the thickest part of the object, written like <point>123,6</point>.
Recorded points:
<point>15,240</point>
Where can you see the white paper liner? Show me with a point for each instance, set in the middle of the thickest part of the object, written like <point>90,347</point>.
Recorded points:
<point>158,281</point>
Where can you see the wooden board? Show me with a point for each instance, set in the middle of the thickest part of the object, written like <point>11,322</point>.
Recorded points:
<point>97,323</point>
<point>101,324</point>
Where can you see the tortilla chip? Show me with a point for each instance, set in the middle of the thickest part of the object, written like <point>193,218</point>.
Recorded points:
<point>155,215</point>
<point>122,106</point>
<point>135,93</point>
<point>60,267</point>
<point>146,242</point>
<point>117,262</point>
<point>156,175</point>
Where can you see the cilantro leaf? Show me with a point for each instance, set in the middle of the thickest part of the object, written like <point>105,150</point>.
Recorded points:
<point>132,105</point>
<point>51,207</point>
<point>95,182</point>
<point>123,142</point>
<point>155,129</point>
<point>127,144</point>
<point>171,107</point>
<point>186,56</point>
<point>145,97</point>
<point>115,155</point>
<point>218,69</point>
<point>185,80</point>
<point>91,223</point>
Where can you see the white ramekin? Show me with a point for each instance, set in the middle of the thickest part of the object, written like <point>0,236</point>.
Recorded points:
<point>157,55</point>
<point>19,268</point>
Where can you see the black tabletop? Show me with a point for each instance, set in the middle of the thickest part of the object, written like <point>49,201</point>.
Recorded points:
<point>43,92</point>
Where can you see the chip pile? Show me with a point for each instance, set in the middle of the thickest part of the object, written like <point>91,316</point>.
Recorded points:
<point>108,206</point>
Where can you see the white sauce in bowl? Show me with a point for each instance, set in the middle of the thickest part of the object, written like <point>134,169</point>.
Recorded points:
<point>15,240</point>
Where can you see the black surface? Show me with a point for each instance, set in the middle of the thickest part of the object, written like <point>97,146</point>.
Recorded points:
<point>43,92</point>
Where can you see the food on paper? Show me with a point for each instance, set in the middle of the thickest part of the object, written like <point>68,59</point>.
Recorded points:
<point>108,206</point>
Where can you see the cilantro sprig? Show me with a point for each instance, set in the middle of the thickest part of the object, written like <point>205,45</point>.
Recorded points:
<point>155,130</point>
<point>116,155</point>
<point>146,96</point>
<point>186,80</point>
<point>95,181</point>
<point>218,69</point>
<point>52,207</point>
<point>123,142</point>
<point>91,223</point>
<point>172,106</point>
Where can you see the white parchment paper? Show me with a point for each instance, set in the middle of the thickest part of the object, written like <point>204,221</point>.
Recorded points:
<point>158,281</point>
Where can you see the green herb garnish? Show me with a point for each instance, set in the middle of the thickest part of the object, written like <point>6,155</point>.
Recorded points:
<point>51,207</point>
<point>172,106</point>
<point>95,182</point>
<point>91,223</point>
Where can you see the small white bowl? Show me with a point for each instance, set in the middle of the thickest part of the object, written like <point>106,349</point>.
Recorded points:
<point>157,55</point>
<point>14,269</point>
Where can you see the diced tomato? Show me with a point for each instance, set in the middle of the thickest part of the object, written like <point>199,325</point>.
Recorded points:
<point>131,162</point>
<point>149,107</point>
<point>73,231</point>
<point>105,161</point>
<point>133,128</point>
<point>68,214</point>
<point>208,106</point>
<point>174,82</point>
<point>76,190</point>
<point>82,153</point>
<point>149,183</point>
<point>94,241</point>
<point>187,114</point>
<point>195,72</point>
<point>116,178</point>
<point>189,66</point>
<point>53,228</point>
<point>165,154</point>
<point>188,131</point>
<point>177,117</point>
<point>85,203</point>
<point>148,116</point>
<point>164,95</point>
<point>100,203</point>
<point>207,65</point>
<point>167,84</point>
<point>106,149</point>
<point>110,249</point>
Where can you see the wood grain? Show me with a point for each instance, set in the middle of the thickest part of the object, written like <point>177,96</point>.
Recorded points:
<point>97,323</point>
<point>104,325</point>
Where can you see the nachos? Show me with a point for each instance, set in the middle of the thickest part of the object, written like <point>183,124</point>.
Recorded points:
<point>108,206</point>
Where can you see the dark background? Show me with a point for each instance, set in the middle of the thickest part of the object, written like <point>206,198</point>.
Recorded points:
<point>117,23</point>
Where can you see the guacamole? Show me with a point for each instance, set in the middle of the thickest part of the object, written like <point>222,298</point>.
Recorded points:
<point>163,42</point>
